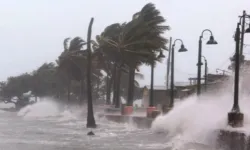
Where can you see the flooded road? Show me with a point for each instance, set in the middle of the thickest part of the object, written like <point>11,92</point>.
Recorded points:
<point>67,131</point>
<point>43,126</point>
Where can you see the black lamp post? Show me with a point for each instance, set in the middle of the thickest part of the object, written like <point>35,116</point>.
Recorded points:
<point>211,41</point>
<point>205,73</point>
<point>235,117</point>
<point>243,22</point>
<point>151,99</point>
<point>182,49</point>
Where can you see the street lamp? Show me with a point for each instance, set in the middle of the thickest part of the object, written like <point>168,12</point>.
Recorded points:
<point>205,74</point>
<point>243,31</point>
<point>151,106</point>
<point>182,49</point>
<point>235,117</point>
<point>211,41</point>
<point>248,29</point>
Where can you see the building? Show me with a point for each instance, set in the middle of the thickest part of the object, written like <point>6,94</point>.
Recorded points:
<point>162,95</point>
<point>215,83</point>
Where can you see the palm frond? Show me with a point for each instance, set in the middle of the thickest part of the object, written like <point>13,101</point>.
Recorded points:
<point>76,44</point>
<point>65,44</point>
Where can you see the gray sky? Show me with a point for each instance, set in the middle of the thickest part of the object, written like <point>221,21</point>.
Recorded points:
<point>32,31</point>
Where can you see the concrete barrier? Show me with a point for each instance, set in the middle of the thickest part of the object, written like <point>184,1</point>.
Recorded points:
<point>233,140</point>
<point>139,122</point>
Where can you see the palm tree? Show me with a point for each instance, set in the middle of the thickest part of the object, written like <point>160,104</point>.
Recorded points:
<point>112,55</point>
<point>90,117</point>
<point>102,63</point>
<point>68,62</point>
<point>136,42</point>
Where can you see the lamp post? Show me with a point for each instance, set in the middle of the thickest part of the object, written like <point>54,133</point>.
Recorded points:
<point>243,22</point>
<point>205,73</point>
<point>151,106</point>
<point>211,41</point>
<point>182,49</point>
<point>168,63</point>
<point>235,117</point>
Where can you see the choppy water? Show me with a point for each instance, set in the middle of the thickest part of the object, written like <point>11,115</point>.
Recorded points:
<point>47,128</point>
<point>191,125</point>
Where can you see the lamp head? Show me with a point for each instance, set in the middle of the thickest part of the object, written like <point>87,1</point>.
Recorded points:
<point>211,41</point>
<point>182,49</point>
<point>161,55</point>
<point>248,29</point>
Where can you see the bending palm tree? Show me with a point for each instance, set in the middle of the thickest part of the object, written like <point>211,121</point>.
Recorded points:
<point>136,42</point>
<point>90,118</point>
<point>66,64</point>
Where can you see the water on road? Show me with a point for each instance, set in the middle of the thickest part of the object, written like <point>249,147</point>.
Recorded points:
<point>48,128</point>
<point>191,125</point>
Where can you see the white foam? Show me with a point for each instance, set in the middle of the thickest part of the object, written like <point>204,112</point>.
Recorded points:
<point>40,109</point>
<point>9,105</point>
<point>67,115</point>
<point>198,120</point>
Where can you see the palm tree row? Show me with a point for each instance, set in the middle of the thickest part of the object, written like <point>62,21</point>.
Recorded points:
<point>120,49</point>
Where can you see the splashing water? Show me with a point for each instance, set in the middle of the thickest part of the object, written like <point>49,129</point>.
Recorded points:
<point>67,115</point>
<point>9,105</point>
<point>198,120</point>
<point>39,110</point>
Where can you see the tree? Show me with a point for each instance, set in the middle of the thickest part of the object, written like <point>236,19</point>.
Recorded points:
<point>16,86</point>
<point>44,80</point>
<point>136,42</point>
<point>90,117</point>
<point>69,61</point>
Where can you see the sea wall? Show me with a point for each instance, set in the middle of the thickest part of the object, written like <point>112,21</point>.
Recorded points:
<point>139,122</point>
<point>233,140</point>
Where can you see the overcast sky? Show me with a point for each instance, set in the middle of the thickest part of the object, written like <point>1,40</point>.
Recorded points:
<point>32,31</point>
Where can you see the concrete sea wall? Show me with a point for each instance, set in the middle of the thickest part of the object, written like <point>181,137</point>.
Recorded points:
<point>139,122</point>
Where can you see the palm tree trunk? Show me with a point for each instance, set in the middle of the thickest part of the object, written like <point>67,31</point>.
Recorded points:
<point>90,117</point>
<point>69,84</point>
<point>114,84</point>
<point>82,91</point>
<point>118,80</point>
<point>131,86</point>
<point>108,82</point>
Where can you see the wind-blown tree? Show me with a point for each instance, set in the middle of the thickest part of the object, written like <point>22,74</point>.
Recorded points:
<point>109,57</point>
<point>136,42</point>
<point>44,80</point>
<point>16,86</point>
<point>143,36</point>
<point>90,116</point>
<point>68,62</point>
<point>102,62</point>
<point>72,60</point>
<point>112,54</point>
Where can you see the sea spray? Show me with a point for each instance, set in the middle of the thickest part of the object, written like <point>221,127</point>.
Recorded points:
<point>41,109</point>
<point>199,120</point>
<point>68,115</point>
<point>9,105</point>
